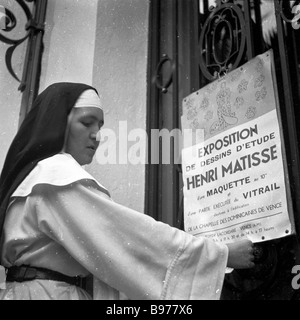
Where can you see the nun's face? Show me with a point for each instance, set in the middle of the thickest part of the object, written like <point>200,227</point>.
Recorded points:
<point>83,126</point>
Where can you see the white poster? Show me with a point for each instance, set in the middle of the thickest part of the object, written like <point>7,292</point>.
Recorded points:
<point>235,184</point>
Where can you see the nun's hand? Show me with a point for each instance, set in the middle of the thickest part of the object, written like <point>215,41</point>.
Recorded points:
<point>240,255</point>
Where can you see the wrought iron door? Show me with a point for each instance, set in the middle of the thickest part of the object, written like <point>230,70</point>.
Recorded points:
<point>192,43</point>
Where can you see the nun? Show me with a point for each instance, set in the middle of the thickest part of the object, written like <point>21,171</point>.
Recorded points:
<point>60,227</point>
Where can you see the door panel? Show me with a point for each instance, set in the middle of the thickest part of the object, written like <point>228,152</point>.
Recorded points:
<point>191,44</point>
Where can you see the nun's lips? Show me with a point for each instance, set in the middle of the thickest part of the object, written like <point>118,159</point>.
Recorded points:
<point>93,148</point>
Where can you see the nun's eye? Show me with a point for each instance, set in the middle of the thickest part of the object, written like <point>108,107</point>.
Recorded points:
<point>86,123</point>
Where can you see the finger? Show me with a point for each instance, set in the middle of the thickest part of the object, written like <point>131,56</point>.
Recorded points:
<point>250,242</point>
<point>252,258</point>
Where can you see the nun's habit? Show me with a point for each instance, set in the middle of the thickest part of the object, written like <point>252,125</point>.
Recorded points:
<point>55,215</point>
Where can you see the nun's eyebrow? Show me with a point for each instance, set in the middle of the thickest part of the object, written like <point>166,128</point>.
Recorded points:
<point>90,116</point>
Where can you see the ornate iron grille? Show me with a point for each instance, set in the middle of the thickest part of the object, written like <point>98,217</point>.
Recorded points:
<point>35,12</point>
<point>222,41</point>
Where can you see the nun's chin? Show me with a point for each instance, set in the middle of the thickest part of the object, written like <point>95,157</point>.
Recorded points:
<point>87,159</point>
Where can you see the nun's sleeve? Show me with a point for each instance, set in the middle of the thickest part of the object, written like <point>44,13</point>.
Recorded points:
<point>128,250</point>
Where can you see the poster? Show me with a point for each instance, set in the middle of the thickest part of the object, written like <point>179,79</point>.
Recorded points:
<point>234,181</point>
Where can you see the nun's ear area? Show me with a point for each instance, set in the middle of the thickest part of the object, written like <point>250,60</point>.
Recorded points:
<point>70,117</point>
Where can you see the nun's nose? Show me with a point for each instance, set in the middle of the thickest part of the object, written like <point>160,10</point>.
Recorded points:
<point>94,135</point>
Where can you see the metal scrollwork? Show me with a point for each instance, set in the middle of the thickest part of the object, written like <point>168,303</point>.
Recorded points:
<point>164,86</point>
<point>8,23</point>
<point>8,20</point>
<point>284,9</point>
<point>222,40</point>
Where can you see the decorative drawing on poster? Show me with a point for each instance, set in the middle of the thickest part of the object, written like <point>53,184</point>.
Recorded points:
<point>235,185</point>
